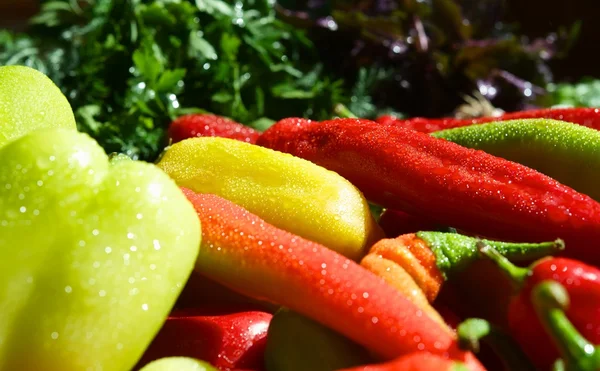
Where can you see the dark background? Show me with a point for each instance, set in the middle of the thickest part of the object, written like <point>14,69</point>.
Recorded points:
<point>536,18</point>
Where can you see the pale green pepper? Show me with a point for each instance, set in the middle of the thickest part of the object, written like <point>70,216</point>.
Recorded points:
<point>92,254</point>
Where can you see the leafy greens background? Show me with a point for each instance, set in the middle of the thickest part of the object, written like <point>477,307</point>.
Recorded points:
<point>129,67</point>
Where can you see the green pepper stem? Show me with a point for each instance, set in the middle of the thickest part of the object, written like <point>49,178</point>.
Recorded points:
<point>517,274</point>
<point>454,251</point>
<point>343,111</point>
<point>474,330</point>
<point>550,300</point>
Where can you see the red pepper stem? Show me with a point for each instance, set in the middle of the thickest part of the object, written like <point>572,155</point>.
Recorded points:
<point>343,111</point>
<point>517,274</point>
<point>475,330</point>
<point>550,300</point>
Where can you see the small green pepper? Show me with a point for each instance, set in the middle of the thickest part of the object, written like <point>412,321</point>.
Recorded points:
<point>567,152</point>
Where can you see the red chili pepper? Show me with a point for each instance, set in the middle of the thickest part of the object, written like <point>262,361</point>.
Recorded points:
<point>419,361</point>
<point>582,282</point>
<point>253,257</point>
<point>550,300</point>
<point>227,339</point>
<point>467,189</point>
<point>589,117</point>
<point>208,125</point>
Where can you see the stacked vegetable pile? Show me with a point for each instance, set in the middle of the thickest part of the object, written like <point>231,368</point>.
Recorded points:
<point>247,250</point>
<point>327,232</point>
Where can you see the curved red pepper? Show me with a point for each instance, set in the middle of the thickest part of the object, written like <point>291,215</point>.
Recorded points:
<point>589,117</point>
<point>253,257</point>
<point>582,282</point>
<point>453,185</point>
<point>209,125</point>
<point>227,339</point>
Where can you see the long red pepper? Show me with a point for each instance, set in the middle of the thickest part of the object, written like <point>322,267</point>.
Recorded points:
<point>419,361</point>
<point>589,117</point>
<point>249,255</point>
<point>467,189</point>
<point>582,283</point>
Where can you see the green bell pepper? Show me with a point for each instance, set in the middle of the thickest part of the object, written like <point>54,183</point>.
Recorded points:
<point>93,254</point>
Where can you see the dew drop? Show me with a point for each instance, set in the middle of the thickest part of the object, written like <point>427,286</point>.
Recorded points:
<point>144,306</point>
<point>54,335</point>
<point>68,289</point>
<point>102,293</point>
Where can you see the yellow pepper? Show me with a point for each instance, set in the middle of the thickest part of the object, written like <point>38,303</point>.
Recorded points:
<point>289,192</point>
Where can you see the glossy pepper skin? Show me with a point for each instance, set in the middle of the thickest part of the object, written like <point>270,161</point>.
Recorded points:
<point>432,257</point>
<point>286,191</point>
<point>471,190</point>
<point>242,251</point>
<point>589,117</point>
<point>582,282</point>
<point>209,125</point>
<point>93,254</point>
<point>419,361</point>
<point>558,149</point>
<point>223,337</point>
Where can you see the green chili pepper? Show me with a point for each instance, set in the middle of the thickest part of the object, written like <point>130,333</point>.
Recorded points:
<point>567,152</point>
